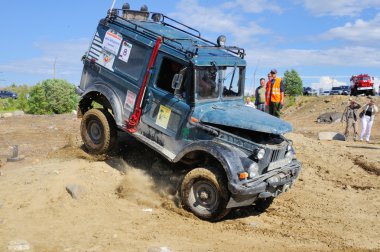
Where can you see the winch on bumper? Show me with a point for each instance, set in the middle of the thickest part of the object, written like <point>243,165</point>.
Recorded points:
<point>269,184</point>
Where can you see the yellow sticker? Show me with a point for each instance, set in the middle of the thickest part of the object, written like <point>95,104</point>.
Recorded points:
<point>163,116</point>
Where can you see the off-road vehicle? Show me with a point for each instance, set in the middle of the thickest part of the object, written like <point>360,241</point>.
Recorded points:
<point>182,95</point>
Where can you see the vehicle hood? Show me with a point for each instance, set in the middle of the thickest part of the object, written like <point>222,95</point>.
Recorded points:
<point>241,116</point>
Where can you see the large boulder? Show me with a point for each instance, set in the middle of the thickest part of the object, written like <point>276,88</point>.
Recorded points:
<point>331,136</point>
<point>329,117</point>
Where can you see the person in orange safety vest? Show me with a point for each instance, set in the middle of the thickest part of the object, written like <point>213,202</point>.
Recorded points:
<point>274,94</point>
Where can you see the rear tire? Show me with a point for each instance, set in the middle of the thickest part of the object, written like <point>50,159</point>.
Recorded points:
<point>204,193</point>
<point>98,131</point>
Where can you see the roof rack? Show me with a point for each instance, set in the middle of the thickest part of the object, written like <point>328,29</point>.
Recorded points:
<point>130,16</point>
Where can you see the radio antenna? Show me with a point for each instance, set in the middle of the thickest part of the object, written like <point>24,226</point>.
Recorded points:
<point>113,5</point>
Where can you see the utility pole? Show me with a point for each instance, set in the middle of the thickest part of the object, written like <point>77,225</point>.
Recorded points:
<point>55,61</point>
<point>254,76</point>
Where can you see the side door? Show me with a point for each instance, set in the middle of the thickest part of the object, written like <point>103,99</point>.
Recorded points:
<point>123,62</point>
<point>164,112</point>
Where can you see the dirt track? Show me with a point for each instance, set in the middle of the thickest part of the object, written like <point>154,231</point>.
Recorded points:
<point>125,204</point>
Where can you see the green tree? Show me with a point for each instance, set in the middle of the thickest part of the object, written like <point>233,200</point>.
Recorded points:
<point>293,83</point>
<point>23,93</point>
<point>52,96</point>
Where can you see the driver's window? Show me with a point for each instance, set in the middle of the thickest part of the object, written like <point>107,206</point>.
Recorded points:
<point>167,71</point>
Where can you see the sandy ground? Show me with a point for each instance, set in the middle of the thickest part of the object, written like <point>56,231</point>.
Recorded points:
<point>124,204</point>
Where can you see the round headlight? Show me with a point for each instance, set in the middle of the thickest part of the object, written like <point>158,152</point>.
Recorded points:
<point>253,170</point>
<point>260,153</point>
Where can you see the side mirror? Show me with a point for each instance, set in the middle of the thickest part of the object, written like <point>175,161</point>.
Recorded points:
<point>177,81</point>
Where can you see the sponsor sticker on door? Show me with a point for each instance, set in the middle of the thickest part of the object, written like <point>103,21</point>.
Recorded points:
<point>130,100</point>
<point>163,116</point>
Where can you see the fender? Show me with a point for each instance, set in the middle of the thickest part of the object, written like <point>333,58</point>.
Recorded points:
<point>111,96</point>
<point>228,157</point>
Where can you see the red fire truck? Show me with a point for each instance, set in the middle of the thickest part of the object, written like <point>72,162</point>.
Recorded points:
<point>362,84</point>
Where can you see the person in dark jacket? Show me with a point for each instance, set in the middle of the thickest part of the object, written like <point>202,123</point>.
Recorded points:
<point>351,117</point>
<point>260,96</point>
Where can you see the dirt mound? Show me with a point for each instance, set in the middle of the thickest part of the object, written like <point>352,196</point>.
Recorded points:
<point>305,111</point>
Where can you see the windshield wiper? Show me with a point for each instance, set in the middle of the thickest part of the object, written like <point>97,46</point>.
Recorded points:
<point>232,78</point>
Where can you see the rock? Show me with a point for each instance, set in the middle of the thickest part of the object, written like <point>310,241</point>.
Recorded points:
<point>18,245</point>
<point>159,249</point>
<point>331,136</point>
<point>329,117</point>
<point>74,190</point>
<point>5,115</point>
<point>18,113</point>
<point>253,225</point>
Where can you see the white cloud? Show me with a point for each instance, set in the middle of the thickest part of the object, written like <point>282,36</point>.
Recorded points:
<point>333,57</point>
<point>219,21</point>
<point>66,54</point>
<point>363,32</point>
<point>256,6</point>
<point>327,82</point>
<point>339,7</point>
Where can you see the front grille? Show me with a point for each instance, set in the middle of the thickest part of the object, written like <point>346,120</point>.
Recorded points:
<point>277,154</point>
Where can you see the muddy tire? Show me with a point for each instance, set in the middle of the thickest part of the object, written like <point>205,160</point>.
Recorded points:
<point>204,193</point>
<point>262,204</point>
<point>98,131</point>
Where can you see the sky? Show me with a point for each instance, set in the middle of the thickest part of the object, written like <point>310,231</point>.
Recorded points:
<point>325,41</point>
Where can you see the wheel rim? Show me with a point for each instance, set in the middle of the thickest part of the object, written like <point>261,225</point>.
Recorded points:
<point>205,194</point>
<point>95,131</point>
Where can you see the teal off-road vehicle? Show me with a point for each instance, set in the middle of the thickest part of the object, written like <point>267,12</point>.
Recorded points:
<point>182,95</point>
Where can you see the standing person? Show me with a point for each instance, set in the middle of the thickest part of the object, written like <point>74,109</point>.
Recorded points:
<point>350,116</point>
<point>248,102</point>
<point>275,94</point>
<point>266,87</point>
<point>269,77</point>
<point>368,115</point>
<point>260,95</point>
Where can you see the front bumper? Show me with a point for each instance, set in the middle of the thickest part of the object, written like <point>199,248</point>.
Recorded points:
<point>269,184</point>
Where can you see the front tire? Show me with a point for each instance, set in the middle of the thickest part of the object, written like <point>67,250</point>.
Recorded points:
<point>204,193</point>
<point>98,131</point>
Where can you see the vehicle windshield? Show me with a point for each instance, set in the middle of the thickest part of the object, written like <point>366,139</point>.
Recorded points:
<point>337,88</point>
<point>213,80</point>
<point>364,78</point>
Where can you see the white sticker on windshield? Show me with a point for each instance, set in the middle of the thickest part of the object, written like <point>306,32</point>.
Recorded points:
<point>125,51</point>
<point>111,42</point>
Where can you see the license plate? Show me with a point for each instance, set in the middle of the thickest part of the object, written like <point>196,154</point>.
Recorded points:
<point>364,88</point>
<point>279,163</point>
